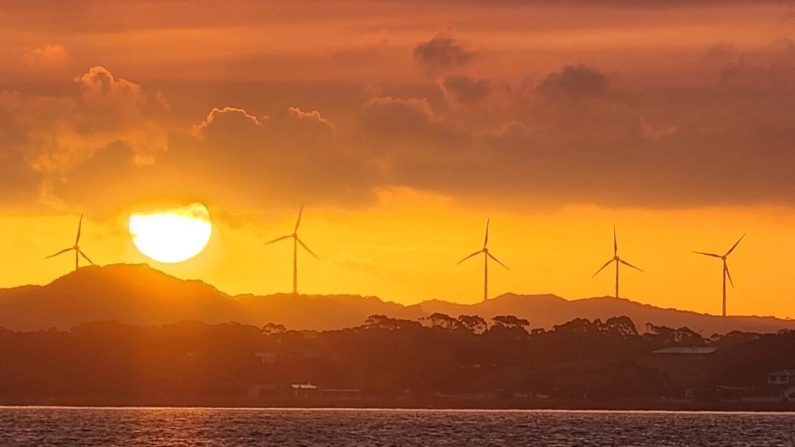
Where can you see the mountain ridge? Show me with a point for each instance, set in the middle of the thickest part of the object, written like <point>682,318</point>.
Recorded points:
<point>140,294</point>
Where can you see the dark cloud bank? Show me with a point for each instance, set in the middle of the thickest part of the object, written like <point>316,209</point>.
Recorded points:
<point>575,136</point>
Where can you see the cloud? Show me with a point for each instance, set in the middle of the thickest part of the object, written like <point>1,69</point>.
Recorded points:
<point>107,110</point>
<point>464,89</point>
<point>770,67</point>
<point>313,117</point>
<point>293,154</point>
<point>573,82</point>
<point>575,135</point>
<point>398,115</point>
<point>48,56</point>
<point>45,137</point>
<point>582,139</point>
<point>229,114</point>
<point>443,52</point>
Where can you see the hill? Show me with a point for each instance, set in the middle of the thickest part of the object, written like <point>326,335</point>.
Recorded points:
<point>139,294</point>
<point>548,310</point>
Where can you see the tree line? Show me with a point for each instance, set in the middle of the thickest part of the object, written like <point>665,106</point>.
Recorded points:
<point>385,357</point>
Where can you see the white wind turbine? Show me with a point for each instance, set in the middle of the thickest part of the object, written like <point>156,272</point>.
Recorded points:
<point>725,273</point>
<point>617,260</point>
<point>75,248</point>
<point>296,242</point>
<point>486,256</point>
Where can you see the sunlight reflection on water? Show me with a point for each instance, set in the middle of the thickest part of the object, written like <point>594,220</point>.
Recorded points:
<point>61,426</point>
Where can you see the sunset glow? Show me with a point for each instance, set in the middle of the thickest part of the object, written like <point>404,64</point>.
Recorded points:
<point>402,129</point>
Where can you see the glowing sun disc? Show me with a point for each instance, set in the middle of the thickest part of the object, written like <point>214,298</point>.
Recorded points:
<point>172,235</point>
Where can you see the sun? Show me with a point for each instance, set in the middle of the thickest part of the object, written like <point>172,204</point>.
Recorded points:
<point>172,235</point>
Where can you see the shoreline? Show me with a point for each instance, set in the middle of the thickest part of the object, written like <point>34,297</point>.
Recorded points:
<point>415,405</point>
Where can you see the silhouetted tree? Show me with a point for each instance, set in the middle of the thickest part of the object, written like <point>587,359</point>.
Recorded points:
<point>577,326</point>
<point>687,336</point>
<point>509,325</point>
<point>621,326</point>
<point>390,324</point>
<point>443,321</point>
<point>735,338</point>
<point>473,323</point>
<point>273,329</point>
<point>664,335</point>
<point>510,321</point>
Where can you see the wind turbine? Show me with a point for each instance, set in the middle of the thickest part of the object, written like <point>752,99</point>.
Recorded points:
<point>617,260</point>
<point>296,242</point>
<point>726,273</point>
<point>75,248</point>
<point>486,256</point>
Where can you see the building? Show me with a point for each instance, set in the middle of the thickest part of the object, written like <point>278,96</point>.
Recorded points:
<point>781,377</point>
<point>303,389</point>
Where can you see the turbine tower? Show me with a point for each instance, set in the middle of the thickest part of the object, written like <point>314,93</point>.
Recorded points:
<point>296,242</point>
<point>75,248</point>
<point>486,256</point>
<point>726,273</point>
<point>617,260</point>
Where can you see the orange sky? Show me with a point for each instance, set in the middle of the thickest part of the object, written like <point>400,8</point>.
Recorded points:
<point>402,126</point>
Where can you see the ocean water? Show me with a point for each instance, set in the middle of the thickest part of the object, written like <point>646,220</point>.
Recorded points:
<point>62,426</point>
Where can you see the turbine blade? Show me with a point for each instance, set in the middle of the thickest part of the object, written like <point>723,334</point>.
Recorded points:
<point>65,250</point>
<point>734,246</point>
<point>298,222</point>
<point>629,265</point>
<point>79,229</point>
<point>306,248</point>
<point>728,274</point>
<point>473,254</point>
<point>615,242</point>
<point>708,254</point>
<point>86,257</point>
<point>497,261</point>
<point>603,267</point>
<point>486,239</point>
<point>279,239</point>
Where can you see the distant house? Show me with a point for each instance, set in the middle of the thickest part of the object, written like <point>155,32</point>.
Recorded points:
<point>779,387</point>
<point>781,377</point>
<point>771,393</point>
<point>686,350</point>
<point>303,389</point>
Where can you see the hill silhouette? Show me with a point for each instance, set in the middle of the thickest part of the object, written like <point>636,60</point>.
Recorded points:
<point>139,294</point>
<point>548,310</point>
